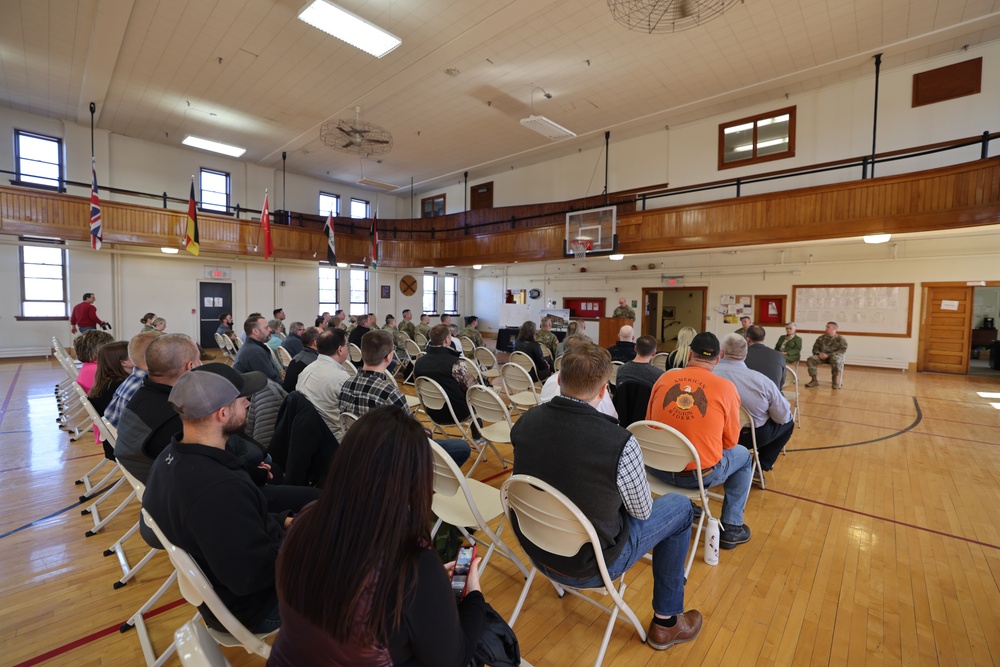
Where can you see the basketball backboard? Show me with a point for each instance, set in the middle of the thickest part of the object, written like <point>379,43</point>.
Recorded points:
<point>591,232</point>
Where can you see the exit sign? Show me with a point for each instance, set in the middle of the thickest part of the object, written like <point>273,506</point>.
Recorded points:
<point>218,272</point>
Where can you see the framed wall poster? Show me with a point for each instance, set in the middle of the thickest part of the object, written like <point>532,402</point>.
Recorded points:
<point>770,309</point>
<point>386,291</point>
<point>669,313</point>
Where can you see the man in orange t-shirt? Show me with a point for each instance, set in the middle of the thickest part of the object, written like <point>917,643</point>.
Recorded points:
<point>706,409</point>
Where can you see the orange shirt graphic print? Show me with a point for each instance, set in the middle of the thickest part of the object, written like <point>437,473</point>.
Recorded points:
<point>685,397</point>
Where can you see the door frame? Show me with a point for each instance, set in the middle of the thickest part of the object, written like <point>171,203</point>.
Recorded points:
<point>689,288</point>
<point>197,289</point>
<point>925,314</point>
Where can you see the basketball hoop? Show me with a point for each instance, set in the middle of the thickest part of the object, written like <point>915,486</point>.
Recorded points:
<point>580,247</point>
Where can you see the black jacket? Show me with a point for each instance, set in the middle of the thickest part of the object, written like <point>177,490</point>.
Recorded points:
<point>302,444</point>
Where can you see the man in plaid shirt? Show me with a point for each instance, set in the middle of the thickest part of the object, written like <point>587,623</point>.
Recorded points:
<point>371,388</point>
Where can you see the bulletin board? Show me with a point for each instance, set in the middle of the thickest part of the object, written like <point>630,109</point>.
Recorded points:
<point>862,310</point>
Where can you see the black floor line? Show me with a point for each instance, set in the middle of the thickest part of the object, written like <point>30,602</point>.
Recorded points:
<point>916,422</point>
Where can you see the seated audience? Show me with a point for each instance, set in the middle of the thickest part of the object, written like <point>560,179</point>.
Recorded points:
<point>624,349</point>
<point>353,595</point>
<point>639,369</point>
<point>274,338</point>
<point>87,346</point>
<point>790,344</point>
<point>551,387</point>
<point>254,355</point>
<point>455,342</point>
<point>292,342</point>
<point>304,357</point>
<point>362,327</point>
<point>471,331</point>
<point>574,328</point>
<point>760,397</point>
<point>399,345</point>
<point>444,365</point>
<point>424,327</point>
<point>763,359</point>
<point>407,326</point>
<point>159,324</point>
<point>545,337</point>
<point>320,381</point>
<point>829,348</point>
<point>706,409</point>
<point>113,367</point>
<point>147,322</point>
<point>525,342</point>
<point>279,316</point>
<point>137,355</point>
<point>226,325</point>
<point>606,480</point>
<point>744,325</point>
<point>205,503</point>
<point>679,357</point>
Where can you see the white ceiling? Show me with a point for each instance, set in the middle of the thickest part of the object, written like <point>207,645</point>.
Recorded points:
<point>248,72</point>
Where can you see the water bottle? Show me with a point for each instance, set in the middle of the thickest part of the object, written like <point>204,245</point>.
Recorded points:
<point>712,542</point>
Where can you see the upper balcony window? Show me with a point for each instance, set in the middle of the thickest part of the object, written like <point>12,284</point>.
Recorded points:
<point>768,136</point>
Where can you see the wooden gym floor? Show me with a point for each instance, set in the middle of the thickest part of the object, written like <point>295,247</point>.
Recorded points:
<point>876,542</point>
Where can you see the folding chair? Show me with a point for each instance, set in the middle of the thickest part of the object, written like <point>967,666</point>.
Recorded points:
<point>473,368</point>
<point>347,420</point>
<point>546,352</point>
<point>433,397</point>
<point>524,361</point>
<point>420,340</point>
<point>613,379</point>
<point>490,412</point>
<point>197,590</point>
<point>349,367</point>
<point>553,523</point>
<point>660,360</point>
<point>468,503</point>
<point>412,402</point>
<point>284,356</point>
<point>792,395</point>
<point>557,364</point>
<point>746,420</point>
<point>665,448</point>
<point>414,352</point>
<point>197,648</point>
<point>487,363</point>
<point>517,384</point>
<point>468,347</point>
<point>220,340</point>
<point>355,354</point>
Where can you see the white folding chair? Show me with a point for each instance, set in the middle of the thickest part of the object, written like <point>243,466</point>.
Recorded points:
<point>792,395</point>
<point>546,352</point>
<point>524,361</point>
<point>413,352</point>
<point>613,378</point>
<point>349,367</point>
<point>473,369</point>
<point>197,648</point>
<point>420,340</point>
<point>747,421</point>
<point>660,360</point>
<point>553,523</point>
<point>468,347</point>
<point>197,590</point>
<point>347,420</point>
<point>355,353</point>
<point>284,356</point>
<point>412,402</point>
<point>487,363</point>
<point>490,412</point>
<point>665,448</point>
<point>433,397</point>
<point>468,503</point>
<point>220,340</point>
<point>517,384</point>
<point>557,364</point>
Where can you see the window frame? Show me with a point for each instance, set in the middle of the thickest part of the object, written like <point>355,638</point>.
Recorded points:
<point>336,198</point>
<point>60,163</point>
<point>434,211</point>
<point>368,208</point>
<point>754,158</point>
<point>434,292</point>
<point>454,295</point>
<point>27,241</point>
<point>359,269</point>
<point>212,208</point>
<point>331,306</point>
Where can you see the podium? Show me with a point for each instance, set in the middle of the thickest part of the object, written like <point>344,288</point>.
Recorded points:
<point>608,328</point>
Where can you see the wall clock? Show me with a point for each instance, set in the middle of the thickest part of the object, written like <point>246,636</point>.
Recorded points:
<point>534,293</point>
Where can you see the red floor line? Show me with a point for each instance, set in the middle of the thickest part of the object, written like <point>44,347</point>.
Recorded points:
<point>882,518</point>
<point>93,637</point>
<point>10,393</point>
<point>499,474</point>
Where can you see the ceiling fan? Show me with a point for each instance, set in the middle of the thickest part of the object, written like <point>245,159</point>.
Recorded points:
<point>356,136</point>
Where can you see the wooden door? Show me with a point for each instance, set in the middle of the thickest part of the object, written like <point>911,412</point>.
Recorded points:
<point>482,196</point>
<point>945,322</point>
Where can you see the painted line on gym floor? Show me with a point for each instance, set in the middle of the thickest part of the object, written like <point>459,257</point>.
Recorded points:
<point>92,637</point>
<point>916,422</point>
<point>10,393</point>
<point>499,474</point>
<point>54,514</point>
<point>901,414</point>
<point>886,519</point>
<point>71,458</point>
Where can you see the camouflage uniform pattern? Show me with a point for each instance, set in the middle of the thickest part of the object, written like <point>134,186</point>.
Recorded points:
<point>473,334</point>
<point>407,327</point>
<point>741,332</point>
<point>624,311</point>
<point>834,346</point>
<point>548,339</point>
<point>424,329</point>
<point>399,342</point>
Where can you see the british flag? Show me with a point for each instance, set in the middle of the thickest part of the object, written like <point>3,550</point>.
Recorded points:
<point>96,231</point>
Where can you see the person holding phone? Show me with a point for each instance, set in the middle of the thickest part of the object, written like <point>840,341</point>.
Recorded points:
<point>358,579</point>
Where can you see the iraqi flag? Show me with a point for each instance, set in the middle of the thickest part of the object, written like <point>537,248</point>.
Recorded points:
<point>191,241</point>
<point>373,235</point>
<point>331,249</point>
<point>96,228</point>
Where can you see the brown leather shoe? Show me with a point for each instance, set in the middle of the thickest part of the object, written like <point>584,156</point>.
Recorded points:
<point>688,625</point>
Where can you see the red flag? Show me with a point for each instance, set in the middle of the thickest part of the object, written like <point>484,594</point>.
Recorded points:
<point>265,221</point>
<point>373,235</point>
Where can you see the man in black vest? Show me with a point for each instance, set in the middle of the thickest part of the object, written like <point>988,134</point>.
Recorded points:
<point>762,358</point>
<point>598,465</point>
<point>443,364</point>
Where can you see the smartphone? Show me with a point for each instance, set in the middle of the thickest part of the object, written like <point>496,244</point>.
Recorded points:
<point>460,576</point>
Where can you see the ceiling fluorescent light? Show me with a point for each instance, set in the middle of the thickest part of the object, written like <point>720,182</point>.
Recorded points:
<point>617,257</point>
<point>378,185</point>
<point>546,127</point>
<point>349,28</point>
<point>214,146</point>
<point>169,251</point>
<point>877,238</point>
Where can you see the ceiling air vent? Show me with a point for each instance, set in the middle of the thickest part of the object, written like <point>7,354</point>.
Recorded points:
<point>547,128</point>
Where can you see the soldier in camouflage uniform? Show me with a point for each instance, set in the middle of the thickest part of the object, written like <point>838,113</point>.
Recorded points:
<point>372,322</point>
<point>470,331</point>
<point>544,336</point>
<point>425,325</point>
<point>407,326</point>
<point>623,311</point>
<point>398,342</point>
<point>744,325</point>
<point>828,349</point>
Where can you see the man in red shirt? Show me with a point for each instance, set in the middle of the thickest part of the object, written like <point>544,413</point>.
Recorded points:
<point>706,409</point>
<point>84,315</point>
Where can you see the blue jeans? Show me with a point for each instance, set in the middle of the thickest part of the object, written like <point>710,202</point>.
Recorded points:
<point>667,532</point>
<point>268,624</point>
<point>458,449</point>
<point>734,472</point>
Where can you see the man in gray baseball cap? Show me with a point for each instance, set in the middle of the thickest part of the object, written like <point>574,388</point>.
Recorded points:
<point>205,502</point>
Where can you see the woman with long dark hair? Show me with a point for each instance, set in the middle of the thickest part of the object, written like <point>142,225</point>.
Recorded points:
<point>358,581</point>
<point>526,343</point>
<point>113,366</point>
